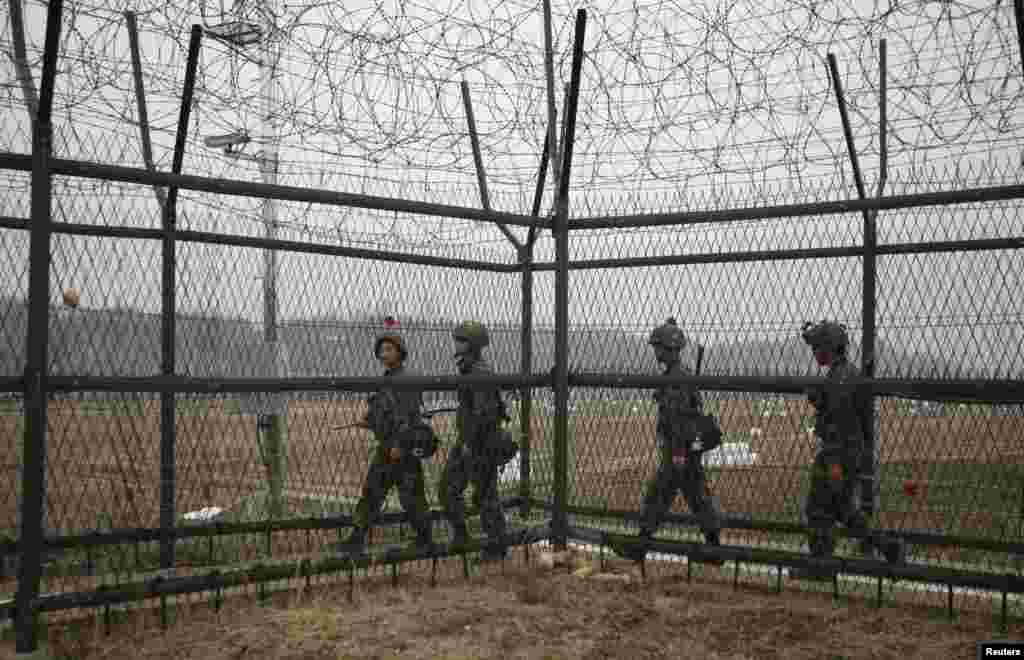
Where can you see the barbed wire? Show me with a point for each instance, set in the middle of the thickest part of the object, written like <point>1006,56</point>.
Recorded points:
<point>673,96</point>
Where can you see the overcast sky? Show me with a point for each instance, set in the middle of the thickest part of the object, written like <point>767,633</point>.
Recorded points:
<point>683,106</point>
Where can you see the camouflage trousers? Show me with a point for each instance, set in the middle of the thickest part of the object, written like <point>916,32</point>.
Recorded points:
<point>464,468</point>
<point>407,475</point>
<point>671,479</point>
<point>834,498</point>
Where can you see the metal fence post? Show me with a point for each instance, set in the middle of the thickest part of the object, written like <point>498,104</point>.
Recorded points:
<point>526,354</point>
<point>560,519</point>
<point>478,160</point>
<point>869,466</point>
<point>526,365</point>
<point>168,310</point>
<point>33,495</point>
<point>1018,12</point>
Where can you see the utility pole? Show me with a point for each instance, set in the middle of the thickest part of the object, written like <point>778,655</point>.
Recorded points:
<point>273,425</point>
<point>272,418</point>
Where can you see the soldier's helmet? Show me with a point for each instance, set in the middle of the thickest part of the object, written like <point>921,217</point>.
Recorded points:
<point>826,336</point>
<point>390,335</point>
<point>472,332</point>
<point>668,335</point>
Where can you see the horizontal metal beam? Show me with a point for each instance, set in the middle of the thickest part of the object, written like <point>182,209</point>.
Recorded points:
<point>1003,391</point>
<point>211,238</point>
<point>747,522</point>
<point>981,390</point>
<point>12,384</point>
<point>1007,583</point>
<point>256,573</point>
<point>11,222</point>
<point>927,247</point>
<point>204,530</point>
<point>360,384</point>
<point>965,196</point>
<point>75,168</point>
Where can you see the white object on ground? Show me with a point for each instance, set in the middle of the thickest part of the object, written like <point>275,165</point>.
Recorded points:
<point>846,579</point>
<point>510,471</point>
<point>730,453</point>
<point>205,514</point>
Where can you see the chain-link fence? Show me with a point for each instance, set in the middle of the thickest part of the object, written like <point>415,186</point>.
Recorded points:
<point>177,368</point>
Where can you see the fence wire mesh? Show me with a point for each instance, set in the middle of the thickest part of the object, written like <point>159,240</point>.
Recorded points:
<point>703,125</point>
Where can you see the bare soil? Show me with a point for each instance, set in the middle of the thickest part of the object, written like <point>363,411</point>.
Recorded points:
<point>530,613</point>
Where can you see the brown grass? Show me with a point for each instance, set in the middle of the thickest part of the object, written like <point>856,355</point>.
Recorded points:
<point>529,613</point>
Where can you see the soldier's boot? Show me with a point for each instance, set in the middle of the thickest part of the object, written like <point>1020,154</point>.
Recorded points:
<point>713,539</point>
<point>895,551</point>
<point>354,544</point>
<point>494,550</point>
<point>459,537</point>
<point>868,548</point>
<point>424,541</point>
<point>636,550</point>
<point>822,547</point>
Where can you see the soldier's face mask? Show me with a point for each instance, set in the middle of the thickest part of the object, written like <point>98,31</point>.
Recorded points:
<point>664,355</point>
<point>823,358</point>
<point>464,354</point>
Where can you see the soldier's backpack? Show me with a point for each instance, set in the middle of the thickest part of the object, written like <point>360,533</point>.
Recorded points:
<point>709,433</point>
<point>502,447</point>
<point>418,439</point>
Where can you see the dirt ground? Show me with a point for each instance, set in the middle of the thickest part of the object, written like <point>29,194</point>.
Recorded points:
<point>532,613</point>
<point>104,471</point>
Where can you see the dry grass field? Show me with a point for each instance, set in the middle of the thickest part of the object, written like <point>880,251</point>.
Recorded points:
<point>527,612</point>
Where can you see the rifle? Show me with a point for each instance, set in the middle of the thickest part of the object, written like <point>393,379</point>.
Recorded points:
<point>429,414</point>
<point>696,372</point>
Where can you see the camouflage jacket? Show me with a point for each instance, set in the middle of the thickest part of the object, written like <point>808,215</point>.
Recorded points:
<point>481,411</point>
<point>389,411</point>
<point>678,408</point>
<point>838,420</point>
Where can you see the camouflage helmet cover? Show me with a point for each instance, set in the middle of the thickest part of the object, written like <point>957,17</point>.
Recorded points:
<point>668,335</point>
<point>826,336</point>
<point>391,336</point>
<point>472,332</point>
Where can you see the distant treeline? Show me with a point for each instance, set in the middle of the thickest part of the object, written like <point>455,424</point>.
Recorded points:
<point>126,342</point>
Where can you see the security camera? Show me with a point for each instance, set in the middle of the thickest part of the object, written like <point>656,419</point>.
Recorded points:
<point>226,141</point>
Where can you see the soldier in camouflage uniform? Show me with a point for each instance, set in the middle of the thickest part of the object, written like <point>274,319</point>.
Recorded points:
<point>835,478</point>
<point>680,465</point>
<point>390,412</point>
<point>475,459</point>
